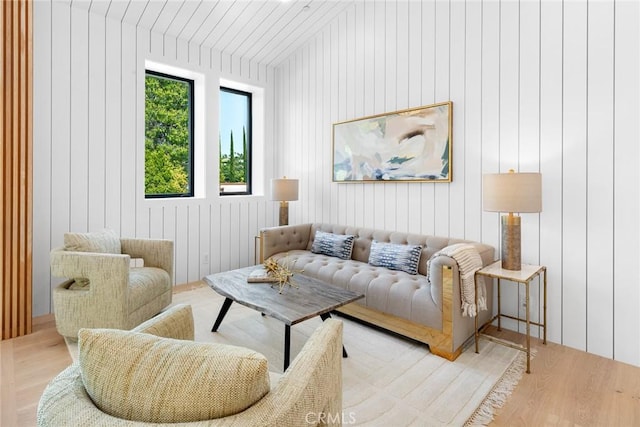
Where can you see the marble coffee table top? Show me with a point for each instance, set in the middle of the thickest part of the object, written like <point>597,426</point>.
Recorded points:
<point>311,297</point>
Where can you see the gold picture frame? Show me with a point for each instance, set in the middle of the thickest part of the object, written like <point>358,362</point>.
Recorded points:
<point>412,145</point>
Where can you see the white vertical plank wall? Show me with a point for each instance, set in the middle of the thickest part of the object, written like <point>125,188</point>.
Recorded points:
<point>79,149</point>
<point>97,124</point>
<point>42,156</point>
<point>626,238</point>
<point>600,226</point>
<point>574,175</point>
<point>472,122</point>
<point>536,86</point>
<point>89,139</point>
<point>457,40</point>
<point>551,155</point>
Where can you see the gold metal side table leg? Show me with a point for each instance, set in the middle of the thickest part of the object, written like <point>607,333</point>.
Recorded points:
<point>499,308</point>
<point>528,331</point>
<point>544,322</point>
<point>475,331</point>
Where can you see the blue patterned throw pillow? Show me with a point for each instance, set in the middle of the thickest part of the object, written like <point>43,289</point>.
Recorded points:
<point>336,245</point>
<point>395,257</point>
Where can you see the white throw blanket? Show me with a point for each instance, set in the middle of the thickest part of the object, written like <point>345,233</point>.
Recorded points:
<point>469,261</point>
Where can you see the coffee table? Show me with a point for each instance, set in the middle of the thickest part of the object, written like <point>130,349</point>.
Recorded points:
<point>312,298</point>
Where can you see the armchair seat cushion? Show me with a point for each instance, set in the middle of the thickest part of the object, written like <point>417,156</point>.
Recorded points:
<point>163,380</point>
<point>146,283</point>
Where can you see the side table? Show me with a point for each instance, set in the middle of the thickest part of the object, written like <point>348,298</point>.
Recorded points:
<point>525,275</point>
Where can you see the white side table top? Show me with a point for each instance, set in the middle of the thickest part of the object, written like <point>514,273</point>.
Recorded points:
<point>525,274</point>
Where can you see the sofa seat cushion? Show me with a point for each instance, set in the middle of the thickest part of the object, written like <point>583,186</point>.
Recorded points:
<point>163,380</point>
<point>146,283</point>
<point>394,292</point>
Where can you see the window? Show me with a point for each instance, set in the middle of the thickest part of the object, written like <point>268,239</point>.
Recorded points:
<point>235,142</point>
<point>168,154</point>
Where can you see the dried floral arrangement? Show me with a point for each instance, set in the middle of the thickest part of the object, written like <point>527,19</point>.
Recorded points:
<point>282,272</point>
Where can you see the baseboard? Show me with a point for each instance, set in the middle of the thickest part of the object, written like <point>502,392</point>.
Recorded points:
<point>183,287</point>
<point>40,320</point>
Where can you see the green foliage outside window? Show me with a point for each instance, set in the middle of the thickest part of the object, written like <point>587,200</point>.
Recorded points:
<point>235,153</point>
<point>167,136</point>
<point>233,166</point>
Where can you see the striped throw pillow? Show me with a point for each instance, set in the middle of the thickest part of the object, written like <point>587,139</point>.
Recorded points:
<point>395,257</point>
<point>335,245</point>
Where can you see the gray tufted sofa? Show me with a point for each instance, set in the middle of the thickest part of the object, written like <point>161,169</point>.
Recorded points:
<point>424,307</point>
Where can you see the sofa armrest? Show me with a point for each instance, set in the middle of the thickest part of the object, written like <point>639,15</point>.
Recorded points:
<point>436,263</point>
<point>176,322</point>
<point>436,268</point>
<point>285,238</point>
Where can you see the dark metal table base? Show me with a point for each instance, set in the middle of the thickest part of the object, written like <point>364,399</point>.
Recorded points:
<point>287,330</point>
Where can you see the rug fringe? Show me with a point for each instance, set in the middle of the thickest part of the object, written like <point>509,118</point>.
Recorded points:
<point>500,392</point>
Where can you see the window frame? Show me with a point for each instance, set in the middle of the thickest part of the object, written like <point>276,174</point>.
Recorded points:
<point>249,136</point>
<point>191,158</point>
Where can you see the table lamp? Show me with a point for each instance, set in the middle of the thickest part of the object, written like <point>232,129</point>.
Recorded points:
<point>511,192</point>
<point>284,190</point>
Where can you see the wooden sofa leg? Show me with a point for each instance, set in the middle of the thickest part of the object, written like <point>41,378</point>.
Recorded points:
<point>449,355</point>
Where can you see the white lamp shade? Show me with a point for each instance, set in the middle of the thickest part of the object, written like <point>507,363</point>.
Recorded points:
<point>284,189</point>
<point>512,192</point>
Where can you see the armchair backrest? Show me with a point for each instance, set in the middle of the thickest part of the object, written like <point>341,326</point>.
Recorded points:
<point>317,372</point>
<point>175,322</point>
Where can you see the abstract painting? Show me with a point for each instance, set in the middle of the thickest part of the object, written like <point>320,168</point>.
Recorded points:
<point>407,145</point>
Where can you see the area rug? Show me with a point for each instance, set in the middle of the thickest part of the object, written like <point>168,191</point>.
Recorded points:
<point>387,380</point>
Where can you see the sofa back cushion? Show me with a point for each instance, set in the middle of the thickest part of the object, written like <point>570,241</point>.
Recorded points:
<point>141,377</point>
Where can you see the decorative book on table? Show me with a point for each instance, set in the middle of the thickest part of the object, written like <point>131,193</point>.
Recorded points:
<point>260,275</point>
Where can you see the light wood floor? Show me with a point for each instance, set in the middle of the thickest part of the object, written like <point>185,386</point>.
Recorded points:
<point>567,387</point>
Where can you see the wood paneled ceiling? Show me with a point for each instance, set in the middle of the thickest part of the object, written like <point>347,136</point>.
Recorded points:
<point>265,31</point>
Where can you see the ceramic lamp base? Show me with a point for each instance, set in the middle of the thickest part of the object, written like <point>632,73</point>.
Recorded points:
<point>511,242</point>
<point>284,213</point>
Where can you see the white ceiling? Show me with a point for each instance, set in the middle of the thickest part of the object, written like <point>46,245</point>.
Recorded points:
<point>266,31</point>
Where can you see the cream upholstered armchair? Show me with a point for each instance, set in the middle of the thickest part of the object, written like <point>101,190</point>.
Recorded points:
<point>149,376</point>
<point>104,291</point>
